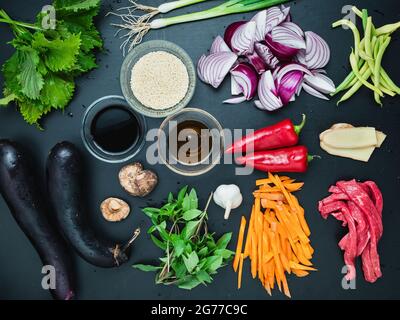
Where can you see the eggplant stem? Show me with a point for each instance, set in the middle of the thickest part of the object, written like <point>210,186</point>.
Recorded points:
<point>131,240</point>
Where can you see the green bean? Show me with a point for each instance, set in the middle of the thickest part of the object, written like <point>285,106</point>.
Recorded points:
<point>355,87</point>
<point>367,42</point>
<point>360,77</point>
<point>356,34</point>
<point>388,29</point>
<point>348,81</point>
<point>389,82</point>
<point>357,11</point>
<point>378,64</point>
<point>364,17</point>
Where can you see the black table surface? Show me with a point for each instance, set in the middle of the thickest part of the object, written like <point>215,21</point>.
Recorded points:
<point>20,266</point>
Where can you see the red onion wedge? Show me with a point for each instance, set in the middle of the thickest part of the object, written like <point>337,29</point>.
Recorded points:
<point>289,68</point>
<point>294,27</point>
<point>200,66</point>
<point>261,25</point>
<point>267,93</point>
<point>235,87</point>
<point>275,16</point>
<point>320,82</point>
<point>235,100</point>
<point>285,35</point>
<point>230,30</point>
<point>243,38</point>
<point>310,90</point>
<point>246,77</point>
<point>212,69</point>
<point>265,53</point>
<point>257,62</point>
<point>317,51</point>
<point>219,45</point>
<point>289,85</point>
<point>285,41</point>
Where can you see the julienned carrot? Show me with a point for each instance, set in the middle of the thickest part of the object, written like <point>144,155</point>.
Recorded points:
<point>277,240</point>
<point>239,244</point>
<point>247,247</point>
<point>240,271</point>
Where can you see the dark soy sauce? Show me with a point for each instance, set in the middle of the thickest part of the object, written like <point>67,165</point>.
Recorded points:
<point>115,129</point>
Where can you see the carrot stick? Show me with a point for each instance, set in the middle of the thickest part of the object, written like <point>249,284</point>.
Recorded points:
<point>292,187</point>
<point>260,249</point>
<point>274,196</point>
<point>254,256</point>
<point>298,266</point>
<point>239,244</point>
<point>240,271</point>
<point>261,182</point>
<point>300,273</point>
<point>286,287</point>
<point>247,247</point>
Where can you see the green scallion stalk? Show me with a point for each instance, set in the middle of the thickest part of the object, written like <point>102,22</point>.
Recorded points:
<point>229,7</point>
<point>137,28</point>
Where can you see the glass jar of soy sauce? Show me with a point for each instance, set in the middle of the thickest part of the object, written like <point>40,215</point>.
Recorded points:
<point>112,131</point>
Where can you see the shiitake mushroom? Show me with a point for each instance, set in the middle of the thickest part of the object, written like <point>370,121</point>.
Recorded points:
<point>137,181</point>
<point>114,209</point>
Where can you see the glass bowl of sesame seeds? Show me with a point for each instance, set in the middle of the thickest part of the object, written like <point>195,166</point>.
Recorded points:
<point>158,78</point>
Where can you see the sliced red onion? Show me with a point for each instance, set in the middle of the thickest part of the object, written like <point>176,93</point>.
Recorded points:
<point>294,27</point>
<point>289,68</point>
<point>235,100</point>
<point>200,66</point>
<point>287,37</point>
<point>213,68</point>
<point>261,25</point>
<point>219,45</point>
<point>319,71</point>
<point>275,16</point>
<point>280,51</point>
<point>289,84</point>
<point>310,90</point>
<point>243,38</point>
<point>257,62</point>
<point>301,57</point>
<point>320,82</point>
<point>275,73</point>
<point>265,53</point>
<point>247,78</point>
<point>230,30</point>
<point>317,51</point>
<point>267,93</point>
<point>299,89</point>
<point>235,88</point>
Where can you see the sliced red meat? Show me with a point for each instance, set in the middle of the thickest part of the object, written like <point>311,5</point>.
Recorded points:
<point>359,206</point>
<point>376,195</point>
<point>340,211</point>
<point>363,235</point>
<point>365,204</point>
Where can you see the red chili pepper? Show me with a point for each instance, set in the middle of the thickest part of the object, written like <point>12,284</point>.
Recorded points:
<point>282,134</point>
<point>292,159</point>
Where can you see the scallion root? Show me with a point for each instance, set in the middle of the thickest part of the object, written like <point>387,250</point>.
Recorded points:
<point>135,25</point>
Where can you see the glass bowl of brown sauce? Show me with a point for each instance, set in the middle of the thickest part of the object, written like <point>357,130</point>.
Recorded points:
<point>190,142</point>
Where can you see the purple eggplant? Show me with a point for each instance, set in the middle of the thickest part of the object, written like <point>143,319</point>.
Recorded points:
<point>19,189</point>
<point>65,172</point>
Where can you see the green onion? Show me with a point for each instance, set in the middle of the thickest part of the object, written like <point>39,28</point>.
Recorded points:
<point>137,28</point>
